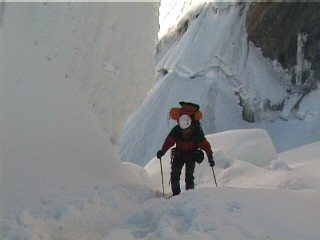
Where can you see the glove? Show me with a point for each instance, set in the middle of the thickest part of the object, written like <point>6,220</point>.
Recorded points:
<point>160,154</point>
<point>211,162</point>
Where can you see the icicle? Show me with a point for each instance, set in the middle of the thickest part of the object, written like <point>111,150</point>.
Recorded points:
<point>302,39</point>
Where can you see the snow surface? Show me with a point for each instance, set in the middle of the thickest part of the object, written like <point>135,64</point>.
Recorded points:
<point>60,173</point>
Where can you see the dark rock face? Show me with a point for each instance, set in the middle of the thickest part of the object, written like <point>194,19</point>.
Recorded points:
<point>274,26</point>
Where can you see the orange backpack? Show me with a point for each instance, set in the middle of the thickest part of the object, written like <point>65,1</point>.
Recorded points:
<point>187,108</point>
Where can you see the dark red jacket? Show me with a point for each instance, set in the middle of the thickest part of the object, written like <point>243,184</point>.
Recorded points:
<point>187,142</point>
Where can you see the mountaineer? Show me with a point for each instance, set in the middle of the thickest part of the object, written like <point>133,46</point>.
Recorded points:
<point>189,139</point>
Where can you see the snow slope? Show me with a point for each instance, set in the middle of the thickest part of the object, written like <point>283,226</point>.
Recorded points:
<point>225,213</point>
<point>276,198</point>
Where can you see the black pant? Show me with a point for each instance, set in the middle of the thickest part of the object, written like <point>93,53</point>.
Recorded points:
<point>176,167</point>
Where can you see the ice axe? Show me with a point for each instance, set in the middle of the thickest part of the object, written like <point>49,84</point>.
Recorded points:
<point>162,177</point>
<point>214,176</point>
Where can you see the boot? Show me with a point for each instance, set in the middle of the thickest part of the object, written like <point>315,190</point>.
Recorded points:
<point>175,186</point>
<point>189,185</point>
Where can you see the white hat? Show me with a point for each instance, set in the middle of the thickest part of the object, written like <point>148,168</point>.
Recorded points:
<point>184,121</point>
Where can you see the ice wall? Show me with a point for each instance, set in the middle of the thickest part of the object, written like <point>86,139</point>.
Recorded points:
<point>206,59</point>
<point>60,64</point>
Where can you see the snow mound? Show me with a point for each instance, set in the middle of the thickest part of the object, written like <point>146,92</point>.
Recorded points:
<point>253,145</point>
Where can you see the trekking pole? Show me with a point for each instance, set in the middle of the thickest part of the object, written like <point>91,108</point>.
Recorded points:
<point>162,177</point>
<point>214,176</point>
